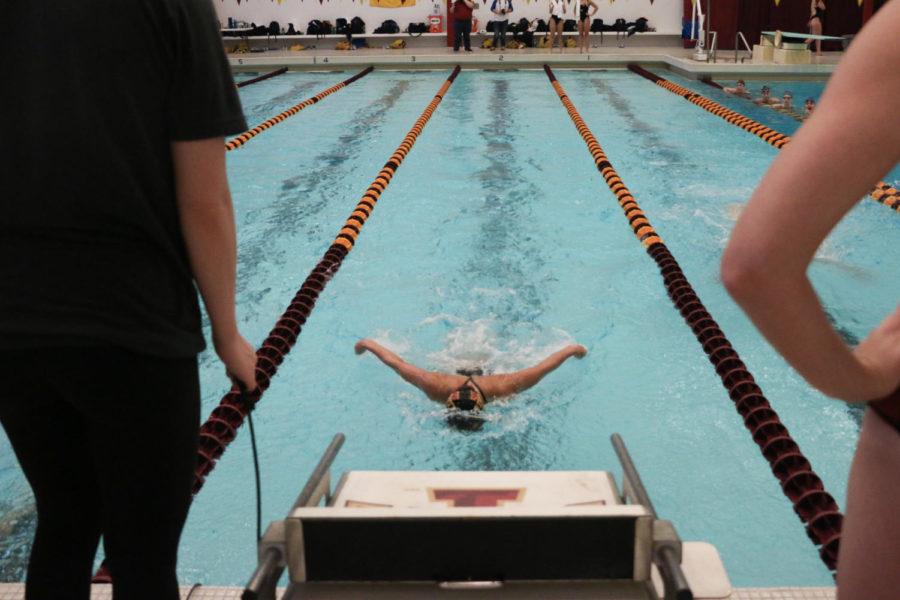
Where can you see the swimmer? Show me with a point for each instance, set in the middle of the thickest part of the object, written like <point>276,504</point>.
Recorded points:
<point>464,392</point>
<point>809,105</point>
<point>787,102</point>
<point>765,97</point>
<point>786,106</point>
<point>740,89</point>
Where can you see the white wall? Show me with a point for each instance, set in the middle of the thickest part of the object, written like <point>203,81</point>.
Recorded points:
<point>664,15</point>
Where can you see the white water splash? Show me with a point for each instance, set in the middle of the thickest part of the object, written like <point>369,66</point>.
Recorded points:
<point>475,344</point>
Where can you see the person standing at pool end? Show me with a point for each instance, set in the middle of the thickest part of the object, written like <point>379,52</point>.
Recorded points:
<point>462,23</point>
<point>446,388</point>
<point>557,17</point>
<point>586,10</point>
<point>501,10</point>
<point>816,22</point>
<point>810,186</point>
<point>116,205</point>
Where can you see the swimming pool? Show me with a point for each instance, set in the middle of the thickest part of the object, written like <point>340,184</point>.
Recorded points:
<point>497,242</point>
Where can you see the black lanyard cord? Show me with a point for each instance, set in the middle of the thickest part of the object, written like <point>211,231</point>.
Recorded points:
<point>249,405</point>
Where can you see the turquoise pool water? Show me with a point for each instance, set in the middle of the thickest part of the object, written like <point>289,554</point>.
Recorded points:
<point>496,243</point>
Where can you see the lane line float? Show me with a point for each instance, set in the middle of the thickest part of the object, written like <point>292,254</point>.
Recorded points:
<point>815,507</point>
<point>248,135</point>
<point>262,77</point>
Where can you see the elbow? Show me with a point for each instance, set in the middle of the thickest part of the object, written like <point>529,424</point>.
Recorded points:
<point>744,274</point>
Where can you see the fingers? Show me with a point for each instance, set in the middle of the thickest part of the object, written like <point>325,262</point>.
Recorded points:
<point>243,373</point>
<point>578,350</point>
<point>239,358</point>
<point>240,383</point>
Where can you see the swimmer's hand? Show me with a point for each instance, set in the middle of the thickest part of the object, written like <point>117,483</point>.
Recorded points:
<point>363,345</point>
<point>879,355</point>
<point>577,350</point>
<point>239,358</point>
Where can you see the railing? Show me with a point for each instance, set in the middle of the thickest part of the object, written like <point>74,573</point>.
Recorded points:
<point>271,562</point>
<point>740,36</point>
<point>665,553</point>
<point>713,46</point>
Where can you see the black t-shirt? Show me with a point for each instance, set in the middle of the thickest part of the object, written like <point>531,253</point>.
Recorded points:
<point>94,92</point>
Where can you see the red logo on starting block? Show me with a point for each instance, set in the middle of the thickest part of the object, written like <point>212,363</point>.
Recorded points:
<point>469,497</point>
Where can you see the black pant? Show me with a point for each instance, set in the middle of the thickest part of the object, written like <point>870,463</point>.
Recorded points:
<point>461,29</point>
<point>500,33</point>
<point>108,441</point>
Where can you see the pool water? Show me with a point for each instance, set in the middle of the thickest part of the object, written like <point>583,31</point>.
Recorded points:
<point>496,243</point>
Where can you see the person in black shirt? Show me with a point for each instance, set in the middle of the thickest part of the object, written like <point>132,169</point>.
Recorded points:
<point>115,205</point>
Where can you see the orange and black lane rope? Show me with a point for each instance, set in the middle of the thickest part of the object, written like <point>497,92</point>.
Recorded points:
<point>248,135</point>
<point>222,425</point>
<point>262,77</point>
<point>815,507</point>
<point>883,193</point>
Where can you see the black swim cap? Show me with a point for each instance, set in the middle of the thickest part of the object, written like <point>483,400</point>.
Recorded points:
<point>465,420</point>
<point>468,399</point>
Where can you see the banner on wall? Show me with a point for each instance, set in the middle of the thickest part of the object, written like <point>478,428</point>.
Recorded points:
<point>392,3</point>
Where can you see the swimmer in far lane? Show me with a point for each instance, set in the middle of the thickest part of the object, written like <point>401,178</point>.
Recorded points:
<point>464,392</point>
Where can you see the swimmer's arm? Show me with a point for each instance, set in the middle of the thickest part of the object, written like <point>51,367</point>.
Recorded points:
<point>513,383</point>
<point>832,162</point>
<point>436,386</point>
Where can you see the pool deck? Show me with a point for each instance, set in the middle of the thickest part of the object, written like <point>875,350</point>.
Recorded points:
<point>16,591</point>
<point>608,56</point>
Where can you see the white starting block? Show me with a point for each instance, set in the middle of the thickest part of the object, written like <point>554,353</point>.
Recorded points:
<point>786,48</point>
<point>475,535</point>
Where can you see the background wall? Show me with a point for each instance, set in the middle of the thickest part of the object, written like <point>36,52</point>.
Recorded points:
<point>843,17</point>
<point>664,15</point>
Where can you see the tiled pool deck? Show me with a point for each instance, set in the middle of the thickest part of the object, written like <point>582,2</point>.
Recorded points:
<point>676,59</point>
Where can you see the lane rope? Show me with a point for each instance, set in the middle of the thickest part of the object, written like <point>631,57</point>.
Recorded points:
<point>883,193</point>
<point>222,425</point>
<point>248,135</point>
<point>262,77</point>
<point>815,507</point>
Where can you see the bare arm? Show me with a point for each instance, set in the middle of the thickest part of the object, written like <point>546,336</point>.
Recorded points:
<point>830,164</point>
<point>436,386</point>
<point>207,223</point>
<point>513,383</point>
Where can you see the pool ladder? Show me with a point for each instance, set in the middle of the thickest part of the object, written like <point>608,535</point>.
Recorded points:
<point>740,36</point>
<point>714,46</point>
